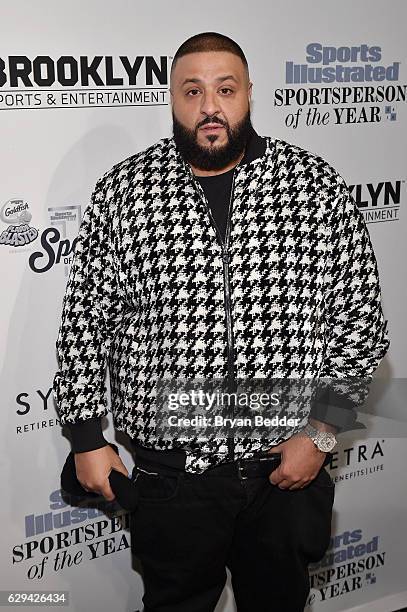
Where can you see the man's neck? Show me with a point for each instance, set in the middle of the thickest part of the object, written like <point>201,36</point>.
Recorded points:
<point>232,164</point>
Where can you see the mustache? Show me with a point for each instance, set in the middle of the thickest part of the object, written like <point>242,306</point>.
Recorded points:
<point>213,119</point>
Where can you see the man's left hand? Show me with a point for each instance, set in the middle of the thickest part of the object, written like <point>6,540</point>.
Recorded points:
<point>301,461</point>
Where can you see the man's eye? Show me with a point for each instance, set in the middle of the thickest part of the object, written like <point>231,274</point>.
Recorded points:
<point>226,90</point>
<point>192,91</point>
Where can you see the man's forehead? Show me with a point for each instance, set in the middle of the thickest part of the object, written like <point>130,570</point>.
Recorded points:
<point>208,65</point>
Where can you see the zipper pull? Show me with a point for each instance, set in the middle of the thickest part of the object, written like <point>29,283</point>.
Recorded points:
<point>225,256</point>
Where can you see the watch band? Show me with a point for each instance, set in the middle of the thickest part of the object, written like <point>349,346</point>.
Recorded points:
<point>325,441</point>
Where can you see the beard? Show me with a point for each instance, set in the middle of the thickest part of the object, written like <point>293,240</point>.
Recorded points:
<point>212,158</point>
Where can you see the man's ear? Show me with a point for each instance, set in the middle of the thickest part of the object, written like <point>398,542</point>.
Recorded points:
<point>250,91</point>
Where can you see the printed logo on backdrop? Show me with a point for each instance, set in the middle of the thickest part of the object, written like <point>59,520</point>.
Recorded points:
<point>360,460</point>
<point>354,558</point>
<point>340,86</point>
<point>16,214</point>
<point>57,242</point>
<point>380,202</point>
<point>66,535</point>
<point>35,405</point>
<point>353,562</point>
<point>83,82</point>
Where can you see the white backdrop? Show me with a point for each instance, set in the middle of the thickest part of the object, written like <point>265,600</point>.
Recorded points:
<point>64,122</point>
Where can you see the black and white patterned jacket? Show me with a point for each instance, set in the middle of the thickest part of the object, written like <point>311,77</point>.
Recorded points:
<point>152,293</point>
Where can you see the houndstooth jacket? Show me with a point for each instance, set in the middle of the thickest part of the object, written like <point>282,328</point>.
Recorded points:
<point>153,293</point>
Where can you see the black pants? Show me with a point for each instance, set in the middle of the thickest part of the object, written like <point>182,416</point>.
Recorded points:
<point>189,527</point>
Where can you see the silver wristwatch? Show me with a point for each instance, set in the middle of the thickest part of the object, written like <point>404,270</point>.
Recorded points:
<point>325,441</point>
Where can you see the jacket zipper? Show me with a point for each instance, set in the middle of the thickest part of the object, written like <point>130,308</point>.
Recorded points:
<point>226,291</point>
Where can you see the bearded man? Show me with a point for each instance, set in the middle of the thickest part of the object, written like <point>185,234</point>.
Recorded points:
<point>218,254</point>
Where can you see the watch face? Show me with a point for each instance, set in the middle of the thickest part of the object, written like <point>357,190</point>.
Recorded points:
<point>327,444</point>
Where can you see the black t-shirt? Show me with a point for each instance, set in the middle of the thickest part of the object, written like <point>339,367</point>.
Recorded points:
<point>217,188</point>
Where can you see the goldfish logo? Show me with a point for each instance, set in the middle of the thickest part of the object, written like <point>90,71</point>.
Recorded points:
<point>17,215</point>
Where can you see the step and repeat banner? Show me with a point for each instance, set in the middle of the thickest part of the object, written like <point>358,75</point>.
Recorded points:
<point>84,85</point>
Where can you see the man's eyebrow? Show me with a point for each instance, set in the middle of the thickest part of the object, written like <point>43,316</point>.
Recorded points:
<point>219,79</point>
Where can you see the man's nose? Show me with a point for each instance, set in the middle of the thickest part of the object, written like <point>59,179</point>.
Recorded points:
<point>209,104</point>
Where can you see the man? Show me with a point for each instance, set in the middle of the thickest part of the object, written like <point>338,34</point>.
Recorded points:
<point>219,254</point>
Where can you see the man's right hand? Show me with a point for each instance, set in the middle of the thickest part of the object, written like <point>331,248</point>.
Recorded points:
<point>93,469</point>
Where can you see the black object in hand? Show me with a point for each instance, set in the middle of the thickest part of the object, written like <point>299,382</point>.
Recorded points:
<point>122,486</point>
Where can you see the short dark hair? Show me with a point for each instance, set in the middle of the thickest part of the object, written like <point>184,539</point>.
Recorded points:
<point>209,41</point>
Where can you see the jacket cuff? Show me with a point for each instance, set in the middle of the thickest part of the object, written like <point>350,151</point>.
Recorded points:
<point>336,410</point>
<point>86,435</point>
